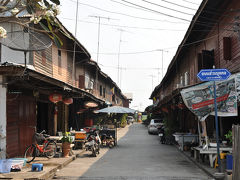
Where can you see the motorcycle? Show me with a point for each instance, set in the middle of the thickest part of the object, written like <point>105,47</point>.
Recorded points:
<point>93,143</point>
<point>161,134</point>
<point>107,140</point>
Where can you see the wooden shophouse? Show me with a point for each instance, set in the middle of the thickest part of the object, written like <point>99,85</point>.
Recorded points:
<point>45,91</point>
<point>213,38</point>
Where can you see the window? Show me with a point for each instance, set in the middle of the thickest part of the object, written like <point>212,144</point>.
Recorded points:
<point>59,62</point>
<point>101,90</point>
<point>104,92</point>
<point>205,60</point>
<point>43,57</point>
<point>113,98</point>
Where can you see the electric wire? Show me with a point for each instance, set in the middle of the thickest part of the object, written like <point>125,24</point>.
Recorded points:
<point>154,50</point>
<point>158,12</point>
<point>124,14</point>
<point>148,28</point>
<point>190,2</point>
<point>168,7</point>
<point>178,5</point>
<point>197,22</point>
<point>130,27</point>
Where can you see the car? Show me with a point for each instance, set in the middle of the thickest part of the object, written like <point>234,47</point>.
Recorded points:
<point>130,119</point>
<point>153,126</point>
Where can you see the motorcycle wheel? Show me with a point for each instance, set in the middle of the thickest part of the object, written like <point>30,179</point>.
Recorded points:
<point>94,154</point>
<point>110,145</point>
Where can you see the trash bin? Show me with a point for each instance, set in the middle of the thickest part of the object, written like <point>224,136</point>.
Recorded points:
<point>5,165</point>
<point>229,162</point>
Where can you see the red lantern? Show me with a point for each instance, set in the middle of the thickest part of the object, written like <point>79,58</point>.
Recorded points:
<point>164,109</point>
<point>181,106</point>
<point>68,101</point>
<point>55,97</point>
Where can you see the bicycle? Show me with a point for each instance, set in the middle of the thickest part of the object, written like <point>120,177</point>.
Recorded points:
<point>48,147</point>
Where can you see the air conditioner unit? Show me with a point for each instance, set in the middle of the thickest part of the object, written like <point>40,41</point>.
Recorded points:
<point>90,85</point>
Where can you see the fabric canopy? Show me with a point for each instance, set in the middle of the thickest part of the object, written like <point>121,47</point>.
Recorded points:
<point>116,109</point>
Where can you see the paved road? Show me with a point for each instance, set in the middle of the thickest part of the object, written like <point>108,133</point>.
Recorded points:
<point>138,156</point>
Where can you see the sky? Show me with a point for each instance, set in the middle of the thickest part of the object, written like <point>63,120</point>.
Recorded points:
<point>138,36</point>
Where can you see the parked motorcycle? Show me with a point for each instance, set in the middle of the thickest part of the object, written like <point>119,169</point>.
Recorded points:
<point>107,140</point>
<point>161,134</point>
<point>93,143</point>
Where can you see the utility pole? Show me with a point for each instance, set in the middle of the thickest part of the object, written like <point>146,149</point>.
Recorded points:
<point>152,76</point>
<point>119,50</point>
<point>121,68</point>
<point>74,48</point>
<point>98,43</point>
<point>119,47</point>
<point>162,50</point>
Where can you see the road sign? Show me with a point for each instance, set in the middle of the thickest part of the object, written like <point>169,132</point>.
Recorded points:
<point>213,74</point>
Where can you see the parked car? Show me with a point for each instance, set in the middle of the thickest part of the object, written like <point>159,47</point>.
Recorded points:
<point>130,119</point>
<point>153,126</point>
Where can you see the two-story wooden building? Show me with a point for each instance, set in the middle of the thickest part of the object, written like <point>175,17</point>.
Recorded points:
<point>213,38</point>
<point>53,90</point>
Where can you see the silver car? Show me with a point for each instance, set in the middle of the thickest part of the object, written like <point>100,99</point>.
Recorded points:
<point>153,126</point>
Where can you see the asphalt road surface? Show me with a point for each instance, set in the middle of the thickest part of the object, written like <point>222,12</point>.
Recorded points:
<point>138,156</point>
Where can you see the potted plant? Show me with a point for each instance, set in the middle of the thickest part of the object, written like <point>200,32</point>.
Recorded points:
<point>66,144</point>
<point>229,137</point>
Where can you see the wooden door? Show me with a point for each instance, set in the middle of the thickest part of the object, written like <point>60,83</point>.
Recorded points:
<point>21,123</point>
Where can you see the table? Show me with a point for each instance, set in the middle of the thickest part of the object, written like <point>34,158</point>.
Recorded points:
<point>183,138</point>
<point>55,138</point>
<point>211,152</point>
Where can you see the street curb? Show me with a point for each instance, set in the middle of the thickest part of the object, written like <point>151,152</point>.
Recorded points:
<point>51,173</point>
<point>196,163</point>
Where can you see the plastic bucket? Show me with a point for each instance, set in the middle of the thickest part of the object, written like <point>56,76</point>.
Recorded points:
<point>5,165</point>
<point>18,163</point>
<point>229,162</point>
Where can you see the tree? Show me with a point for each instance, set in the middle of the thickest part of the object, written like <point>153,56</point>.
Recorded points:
<point>38,11</point>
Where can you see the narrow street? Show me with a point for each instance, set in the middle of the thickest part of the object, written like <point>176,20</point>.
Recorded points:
<point>137,156</point>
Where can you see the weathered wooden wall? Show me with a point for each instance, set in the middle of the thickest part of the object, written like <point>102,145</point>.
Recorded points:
<point>236,152</point>
<point>188,62</point>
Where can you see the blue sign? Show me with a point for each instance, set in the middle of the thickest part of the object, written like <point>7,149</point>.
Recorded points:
<point>213,74</point>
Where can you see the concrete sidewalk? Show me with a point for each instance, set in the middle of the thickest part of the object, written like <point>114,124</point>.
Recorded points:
<point>51,166</point>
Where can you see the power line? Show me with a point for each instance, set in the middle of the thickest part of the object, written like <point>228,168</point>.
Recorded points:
<point>149,51</point>
<point>183,19</point>
<point>149,28</point>
<point>130,27</point>
<point>190,2</point>
<point>168,7</point>
<point>123,14</point>
<point>131,68</point>
<point>136,17</point>
<point>179,5</point>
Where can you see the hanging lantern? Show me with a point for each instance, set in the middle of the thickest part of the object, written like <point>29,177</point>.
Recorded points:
<point>68,101</point>
<point>164,109</point>
<point>181,106</point>
<point>90,104</point>
<point>55,97</point>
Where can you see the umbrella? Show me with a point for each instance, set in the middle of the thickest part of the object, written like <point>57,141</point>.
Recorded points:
<point>116,109</point>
